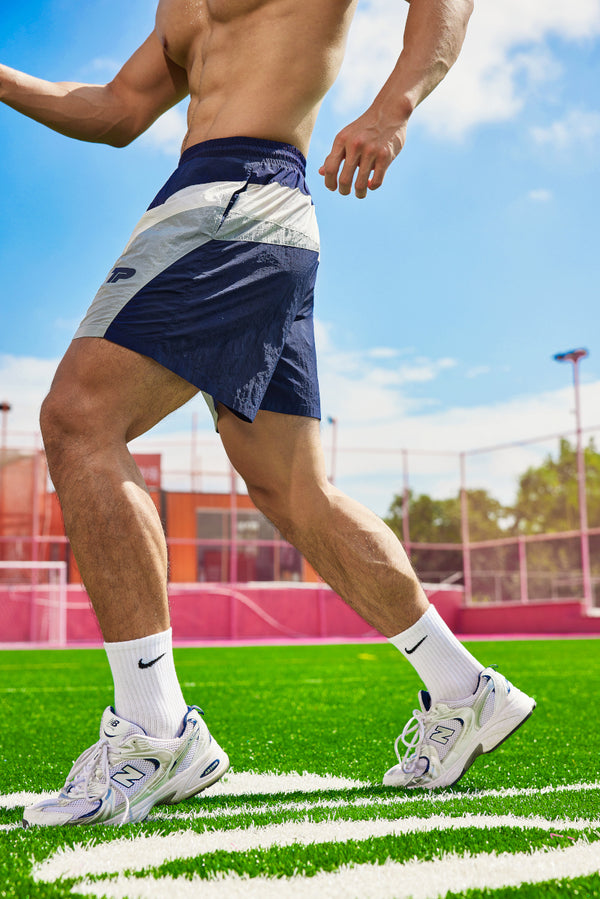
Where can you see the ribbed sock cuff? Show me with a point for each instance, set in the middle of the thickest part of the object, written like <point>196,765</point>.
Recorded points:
<point>147,690</point>
<point>447,669</point>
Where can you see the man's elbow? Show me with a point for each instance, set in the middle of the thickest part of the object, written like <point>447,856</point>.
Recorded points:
<point>119,139</point>
<point>124,129</point>
<point>126,120</point>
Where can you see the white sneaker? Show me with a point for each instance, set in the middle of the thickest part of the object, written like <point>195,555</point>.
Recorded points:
<point>120,778</point>
<point>444,740</point>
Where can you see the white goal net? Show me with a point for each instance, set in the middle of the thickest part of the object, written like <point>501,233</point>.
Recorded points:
<point>33,603</point>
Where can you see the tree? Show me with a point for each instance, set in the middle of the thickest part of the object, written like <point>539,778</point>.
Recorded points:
<point>439,521</point>
<point>547,502</point>
<point>547,496</point>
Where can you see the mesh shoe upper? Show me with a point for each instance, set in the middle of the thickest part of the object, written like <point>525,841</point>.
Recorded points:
<point>122,776</point>
<point>442,740</point>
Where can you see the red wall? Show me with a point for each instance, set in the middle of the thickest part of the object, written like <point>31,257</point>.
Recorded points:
<point>261,612</point>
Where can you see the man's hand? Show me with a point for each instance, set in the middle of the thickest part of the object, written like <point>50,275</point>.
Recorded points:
<point>433,36</point>
<point>364,148</point>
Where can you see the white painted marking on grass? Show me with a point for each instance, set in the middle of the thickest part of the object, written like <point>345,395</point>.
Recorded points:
<point>18,800</point>
<point>118,856</point>
<point>392,880</point>
<point>246,782</point>
<point>203,813</point>
<point>235,784</point>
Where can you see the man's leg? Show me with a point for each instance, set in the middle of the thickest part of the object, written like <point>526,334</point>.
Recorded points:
<point>281,461</point>
<point>103,396</point>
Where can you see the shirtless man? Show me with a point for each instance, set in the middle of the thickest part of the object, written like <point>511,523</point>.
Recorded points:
<point>214,293</point>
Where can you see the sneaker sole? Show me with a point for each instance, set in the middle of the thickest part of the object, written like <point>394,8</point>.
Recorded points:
<point>198,777</point>
<point>516,712</point>
<point>491,737</point>
<point>206,771</point>
<point>481,751</point>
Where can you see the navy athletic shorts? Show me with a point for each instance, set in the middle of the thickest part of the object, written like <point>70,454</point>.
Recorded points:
<point>217,281</point>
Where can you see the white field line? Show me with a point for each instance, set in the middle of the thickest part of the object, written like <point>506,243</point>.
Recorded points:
<point>392,880</point>
<point>118,856</point>
<point>361,802</point>
<point>234,784</point>
<point>248,783</point>
<point>20,800</point>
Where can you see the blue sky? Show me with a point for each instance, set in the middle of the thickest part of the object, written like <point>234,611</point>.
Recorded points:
<point>442,297</point>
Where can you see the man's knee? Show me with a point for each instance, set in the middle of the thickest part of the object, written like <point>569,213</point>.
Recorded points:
<point>290,504</point>
<point>66,417</point>
<point>271,499</point>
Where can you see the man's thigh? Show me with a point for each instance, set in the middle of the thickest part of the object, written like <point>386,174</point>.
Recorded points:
<point>114,389</point>
<point>275,449</point>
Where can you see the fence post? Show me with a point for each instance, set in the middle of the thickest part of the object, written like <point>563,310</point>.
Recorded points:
<point>464,528</point>
<point>405,503</point>
<point>523,569</point>
<point>233,543</point>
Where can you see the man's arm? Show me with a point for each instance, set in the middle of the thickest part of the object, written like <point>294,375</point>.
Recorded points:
<point>434,34</point>
<point>116,113</point>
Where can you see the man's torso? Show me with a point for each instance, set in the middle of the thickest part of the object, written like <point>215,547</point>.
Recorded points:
<point>257,68</point>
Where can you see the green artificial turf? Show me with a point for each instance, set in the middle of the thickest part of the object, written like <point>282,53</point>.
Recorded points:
<point>328,710</point>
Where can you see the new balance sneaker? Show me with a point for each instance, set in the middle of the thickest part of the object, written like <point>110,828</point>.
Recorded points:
<point>120,778</point>
<point>443,740</point>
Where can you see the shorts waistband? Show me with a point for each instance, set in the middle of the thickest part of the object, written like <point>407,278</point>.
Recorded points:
<point>252,148</point>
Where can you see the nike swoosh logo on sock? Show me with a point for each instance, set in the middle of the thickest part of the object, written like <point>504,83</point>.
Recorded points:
<point>150,664</point>
<point>407,651</point>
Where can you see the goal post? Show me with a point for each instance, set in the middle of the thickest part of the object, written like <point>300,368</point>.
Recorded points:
<point>33,603</point>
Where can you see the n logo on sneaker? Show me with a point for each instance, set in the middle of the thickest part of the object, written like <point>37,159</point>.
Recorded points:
<point>128,776</point>
<point>442,734</point>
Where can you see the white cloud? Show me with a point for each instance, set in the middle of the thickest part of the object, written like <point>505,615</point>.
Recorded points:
<point>477,371</point>
<point>24,382</point>
<point>540,195</point>
<point>104,66</point>
<point>167,133</point>
<point>377,419</point>
<point>361,379</point>
<point>505,58</point>
<point>383,352</point>
<point>579,126</point>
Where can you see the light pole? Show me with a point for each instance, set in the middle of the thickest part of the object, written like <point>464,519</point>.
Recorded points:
<point>574,357</point>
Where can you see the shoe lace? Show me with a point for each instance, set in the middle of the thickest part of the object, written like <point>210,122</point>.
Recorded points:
<point>412,736</point>
<point>89,778</point>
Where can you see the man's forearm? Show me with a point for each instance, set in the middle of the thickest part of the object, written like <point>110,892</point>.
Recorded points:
<point>433,37</point>
<point>83,111</point>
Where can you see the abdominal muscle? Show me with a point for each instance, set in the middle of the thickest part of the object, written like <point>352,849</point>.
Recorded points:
<point>256,68</point>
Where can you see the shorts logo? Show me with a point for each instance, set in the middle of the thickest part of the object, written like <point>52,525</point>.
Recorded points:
<point>120,274</point>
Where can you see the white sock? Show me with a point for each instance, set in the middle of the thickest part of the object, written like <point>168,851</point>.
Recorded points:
<point>147,691</point>
<point>447,669</point>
